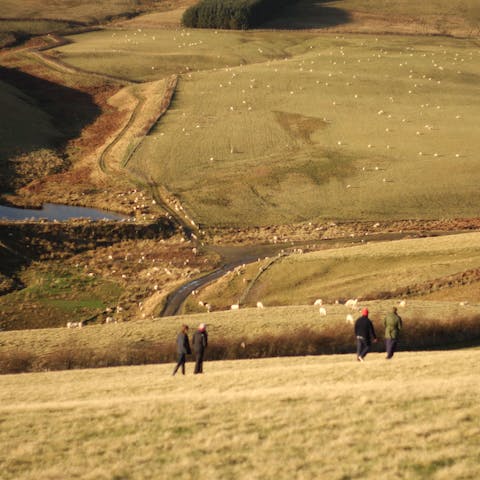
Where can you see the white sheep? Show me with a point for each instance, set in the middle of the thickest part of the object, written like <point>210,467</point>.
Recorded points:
<point>323,311</point>
<point>260,305</point>
<point>235,306</point>
<point>402,303</point>
<point>349,318</point>
<point>351,303</point>
<point>75,324</point>
<point>318,302</point>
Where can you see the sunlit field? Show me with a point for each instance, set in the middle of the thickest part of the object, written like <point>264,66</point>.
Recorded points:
<point>290,127</point>
<point>371,270</point>
<point>414,417</point>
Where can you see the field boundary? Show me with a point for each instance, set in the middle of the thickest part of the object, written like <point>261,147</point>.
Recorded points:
<point>466,277</point>
<point>260,272</point>
<point>57,64</point>
<point>422,334</point>
<point>164,106</point>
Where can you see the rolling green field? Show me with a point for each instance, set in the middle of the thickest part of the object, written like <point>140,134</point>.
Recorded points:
<point>362,271</point>
<point>310,417</point>
<point>301,126</point>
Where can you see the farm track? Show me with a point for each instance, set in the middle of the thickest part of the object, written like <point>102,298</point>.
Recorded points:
<point>101,160</point>
<point>164,106</point>
<point>59,65</point>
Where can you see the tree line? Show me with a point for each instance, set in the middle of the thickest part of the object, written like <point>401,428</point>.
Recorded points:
<point>230,14</point>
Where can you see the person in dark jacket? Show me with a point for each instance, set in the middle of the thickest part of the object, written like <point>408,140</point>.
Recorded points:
<point>183,349</point>
<point>200,342</point>
<point>364,333</point>
<point>393,325</point>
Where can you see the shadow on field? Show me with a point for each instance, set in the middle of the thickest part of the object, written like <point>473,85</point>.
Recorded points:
<point>70,111</point>
<point>305,14</point>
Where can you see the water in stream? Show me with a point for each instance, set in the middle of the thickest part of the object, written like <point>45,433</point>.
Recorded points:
<point>52,211</point>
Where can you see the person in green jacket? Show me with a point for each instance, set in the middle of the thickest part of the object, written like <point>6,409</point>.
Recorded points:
<point>393,325</point>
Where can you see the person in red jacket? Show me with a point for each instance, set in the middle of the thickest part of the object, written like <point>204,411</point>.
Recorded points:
<point>365,333</point>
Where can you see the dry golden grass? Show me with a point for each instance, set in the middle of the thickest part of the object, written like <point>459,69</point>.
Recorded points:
<point>309,418</point>
<point>157,337</point>
<point>362,271</point>
<point>76,10</point>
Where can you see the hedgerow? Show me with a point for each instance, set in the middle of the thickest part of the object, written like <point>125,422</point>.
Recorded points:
<point>419,334</point>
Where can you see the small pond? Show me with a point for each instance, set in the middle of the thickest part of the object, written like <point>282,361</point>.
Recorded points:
<point>52,211</point>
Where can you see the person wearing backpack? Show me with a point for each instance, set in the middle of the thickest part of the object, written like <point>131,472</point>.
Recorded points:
<point>393,325</point>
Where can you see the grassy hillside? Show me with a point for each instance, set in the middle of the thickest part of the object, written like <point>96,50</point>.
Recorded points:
<point>309,417</point>
<point>246,333</point>
<point>457,17</point>
<point>143,54</point>
<point>297,127</point>
<point>15,133</point>
<point>28,139</point>
<point>76,10</point>
<point>372,270</point>
<point>20,20</point>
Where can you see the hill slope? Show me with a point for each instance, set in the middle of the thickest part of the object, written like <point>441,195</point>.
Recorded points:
<point>310,417</point>
<point>289,127</point>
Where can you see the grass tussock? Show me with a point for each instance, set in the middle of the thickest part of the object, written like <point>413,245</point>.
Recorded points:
<point>422,334</point>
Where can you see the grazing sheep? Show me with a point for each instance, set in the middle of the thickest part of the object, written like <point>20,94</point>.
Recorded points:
<point>323,311</point>
<point>349,318</point>
<point>402,303</point>
<point>318,302</point>
<point>75,324</point>
<point>235,306</point>
<point>351,303</point>
<point>110,320</point>
<point>260,305</point>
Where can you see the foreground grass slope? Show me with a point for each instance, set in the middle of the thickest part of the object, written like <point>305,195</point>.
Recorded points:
<point>311,417</point>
